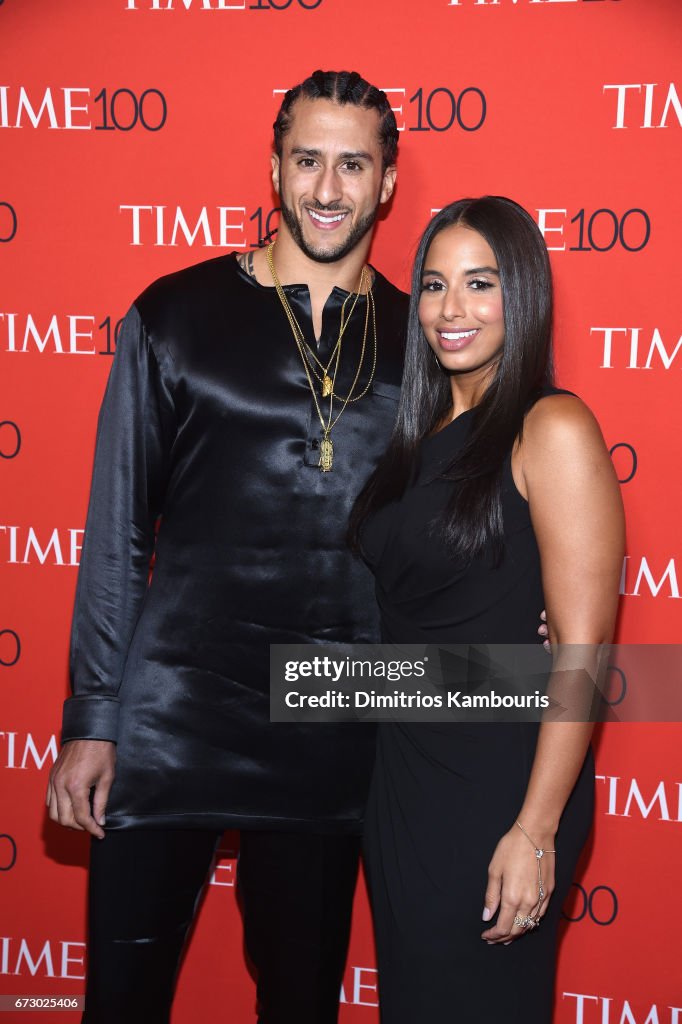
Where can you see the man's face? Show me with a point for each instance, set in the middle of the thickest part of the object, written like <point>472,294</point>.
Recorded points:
<point>330,179</point>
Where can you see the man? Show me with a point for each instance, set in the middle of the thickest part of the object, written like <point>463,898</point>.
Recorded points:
<point>248,402</point>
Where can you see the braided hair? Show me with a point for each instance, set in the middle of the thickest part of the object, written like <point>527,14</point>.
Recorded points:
<point>342,87</point>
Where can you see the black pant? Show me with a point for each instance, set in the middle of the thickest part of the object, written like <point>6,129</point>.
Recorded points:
<point>296,892</point>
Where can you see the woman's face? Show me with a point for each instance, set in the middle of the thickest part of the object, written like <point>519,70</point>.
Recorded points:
<point>460,307</point>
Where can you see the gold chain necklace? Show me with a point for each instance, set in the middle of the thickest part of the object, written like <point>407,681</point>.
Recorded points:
<point>325,381</point>
<point>326,445</point>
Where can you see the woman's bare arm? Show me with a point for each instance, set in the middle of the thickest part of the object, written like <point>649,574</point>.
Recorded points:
<point>565,471</point>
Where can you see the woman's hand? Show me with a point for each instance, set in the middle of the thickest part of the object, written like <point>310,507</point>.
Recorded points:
<point>513,884</point>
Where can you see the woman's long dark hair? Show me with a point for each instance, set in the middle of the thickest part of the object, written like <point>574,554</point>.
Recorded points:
<point>473,518</point>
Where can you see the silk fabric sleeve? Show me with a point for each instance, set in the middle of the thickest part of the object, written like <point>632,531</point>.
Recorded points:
<point>134,435</point>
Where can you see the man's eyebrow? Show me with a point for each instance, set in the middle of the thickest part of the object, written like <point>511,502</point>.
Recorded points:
<point>360,154</point>
<point>355,155</point>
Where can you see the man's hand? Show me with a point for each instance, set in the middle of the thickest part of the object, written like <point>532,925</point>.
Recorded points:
<point>81,765</point>
<point>544,631</point>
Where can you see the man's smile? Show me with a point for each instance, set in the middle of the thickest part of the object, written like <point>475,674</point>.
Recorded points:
<point>326,221</point>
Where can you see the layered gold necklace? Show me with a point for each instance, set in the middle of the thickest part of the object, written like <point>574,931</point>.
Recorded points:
<point>326,376</point>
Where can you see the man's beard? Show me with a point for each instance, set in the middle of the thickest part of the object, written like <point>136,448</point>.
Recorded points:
<point>342,249</point>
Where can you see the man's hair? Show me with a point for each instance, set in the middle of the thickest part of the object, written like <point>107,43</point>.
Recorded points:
<point>342,87</point>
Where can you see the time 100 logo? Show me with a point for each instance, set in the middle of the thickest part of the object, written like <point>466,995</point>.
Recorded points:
<point>440,109</point>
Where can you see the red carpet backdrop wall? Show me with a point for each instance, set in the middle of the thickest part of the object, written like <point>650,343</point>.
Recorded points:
<point>135,139</point>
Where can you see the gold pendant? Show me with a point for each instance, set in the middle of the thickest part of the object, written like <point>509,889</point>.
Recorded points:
<point>326,386</point>
<point>326,454</point>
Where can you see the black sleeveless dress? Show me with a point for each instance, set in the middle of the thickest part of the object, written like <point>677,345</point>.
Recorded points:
<point>443,795</point>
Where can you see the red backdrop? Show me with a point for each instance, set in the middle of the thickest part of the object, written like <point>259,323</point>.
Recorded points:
<point>135,137</point>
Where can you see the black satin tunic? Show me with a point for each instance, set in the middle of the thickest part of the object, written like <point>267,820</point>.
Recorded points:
<point>209,424</point>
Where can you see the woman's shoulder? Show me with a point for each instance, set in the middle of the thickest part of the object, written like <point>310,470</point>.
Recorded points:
<point>560,415</point>
<point>555,406</point>
<point>561,454</point>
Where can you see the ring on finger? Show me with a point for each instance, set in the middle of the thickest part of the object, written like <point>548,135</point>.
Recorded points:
<point>527,922</point>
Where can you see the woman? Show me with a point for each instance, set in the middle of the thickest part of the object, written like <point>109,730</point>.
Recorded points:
<point>496,498</point>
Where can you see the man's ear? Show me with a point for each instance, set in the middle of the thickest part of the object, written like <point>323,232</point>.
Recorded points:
<point>388,184</point>
<point>274,163</point>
